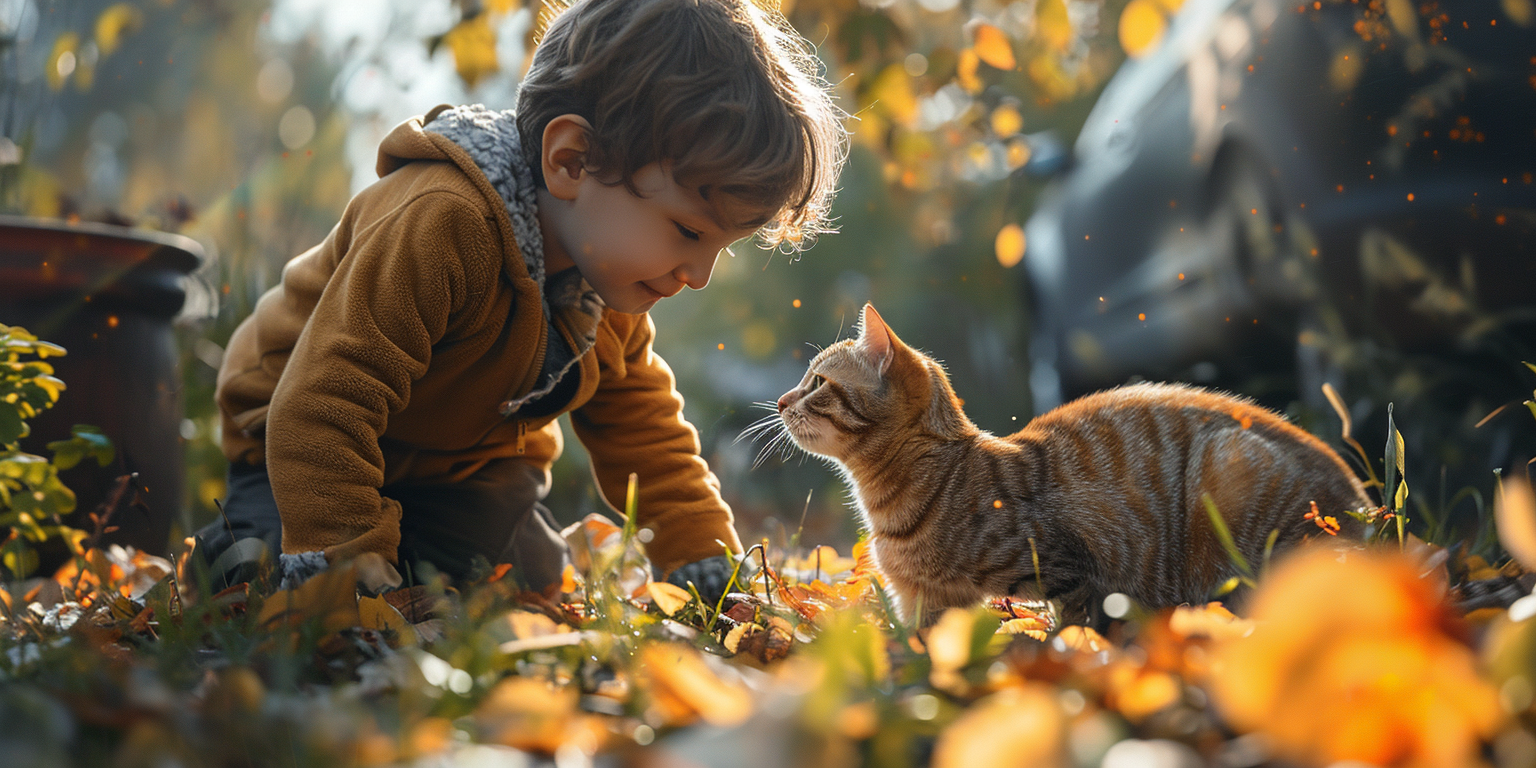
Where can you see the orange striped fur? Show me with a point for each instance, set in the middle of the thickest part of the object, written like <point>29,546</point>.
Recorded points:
<point>1109,486</point>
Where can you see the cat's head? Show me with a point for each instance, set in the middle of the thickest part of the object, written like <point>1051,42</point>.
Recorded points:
<point>863,394</point>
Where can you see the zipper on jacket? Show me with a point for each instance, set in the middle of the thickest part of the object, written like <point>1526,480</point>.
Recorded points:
<point>522,434</point>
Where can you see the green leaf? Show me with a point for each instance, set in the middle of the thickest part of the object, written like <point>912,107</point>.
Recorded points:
<point>19,558</point>
<point>1401,498</point>
<point>100,445</point>
<point>12,428</point>
<point>66,453</point>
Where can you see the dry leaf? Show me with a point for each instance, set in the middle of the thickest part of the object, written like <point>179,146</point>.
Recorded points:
<point>377,613</point>
<point>1034,628</point>
<point>684,688</point>
<point>994,48</point>
<point>1514,511</point>
<point>670,598</point>
<point>545,642</point>
<point>329,597</point>
<point>1212,620</point>
<point>1083,639</point>
<point>1017,727</point>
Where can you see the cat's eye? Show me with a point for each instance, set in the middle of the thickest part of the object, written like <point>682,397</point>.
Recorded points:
<point>816,382</point>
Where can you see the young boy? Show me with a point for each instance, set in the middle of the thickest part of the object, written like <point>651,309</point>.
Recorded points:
<point>397,393</point>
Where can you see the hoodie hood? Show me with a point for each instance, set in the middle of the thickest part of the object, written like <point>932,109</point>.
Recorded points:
<point>491,141</point>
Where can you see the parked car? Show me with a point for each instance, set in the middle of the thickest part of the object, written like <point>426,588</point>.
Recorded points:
<point>1276,177</point>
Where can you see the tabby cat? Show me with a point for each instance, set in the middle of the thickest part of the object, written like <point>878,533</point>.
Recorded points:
<point>1106,490</point>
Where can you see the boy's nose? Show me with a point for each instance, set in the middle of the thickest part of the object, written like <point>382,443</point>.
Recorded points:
<point>695,273</point>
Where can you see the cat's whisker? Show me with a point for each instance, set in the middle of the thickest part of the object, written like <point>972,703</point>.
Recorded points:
<point>779,443</point>
<point>757,428</point>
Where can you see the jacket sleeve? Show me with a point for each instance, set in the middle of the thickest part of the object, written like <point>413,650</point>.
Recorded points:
<point>390,298</point>
<point>634,423</point>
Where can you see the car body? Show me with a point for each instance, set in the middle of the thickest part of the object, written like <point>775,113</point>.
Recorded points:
<point>1273,169</point>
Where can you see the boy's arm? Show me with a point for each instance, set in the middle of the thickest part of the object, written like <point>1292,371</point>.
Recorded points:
<point>370,336</point>
<point>634,423</point>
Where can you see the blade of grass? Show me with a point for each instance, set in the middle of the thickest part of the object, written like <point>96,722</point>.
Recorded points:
<point>1269,548</point>
<point>1224,535</point>
<point>1338,407</point>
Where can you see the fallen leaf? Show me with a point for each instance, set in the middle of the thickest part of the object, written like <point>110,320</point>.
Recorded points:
<point>377,613</point>
<point>684,688</point>
<point>1016,727</point>
<point>328,597</point>
<point>545,642</point>
<point>668,597</point>
<point>1514,512</point>
<point>1083,639</point>
<point>1212,620</point>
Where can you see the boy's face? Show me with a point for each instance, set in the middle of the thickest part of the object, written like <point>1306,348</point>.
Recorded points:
<point>636,250</point>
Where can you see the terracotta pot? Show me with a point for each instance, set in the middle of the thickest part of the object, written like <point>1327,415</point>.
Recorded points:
<point>107,294</point>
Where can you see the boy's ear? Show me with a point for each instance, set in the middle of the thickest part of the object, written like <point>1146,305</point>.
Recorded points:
<point>564,154</point>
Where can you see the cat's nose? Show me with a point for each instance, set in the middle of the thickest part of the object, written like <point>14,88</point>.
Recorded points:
<point>785,400</point>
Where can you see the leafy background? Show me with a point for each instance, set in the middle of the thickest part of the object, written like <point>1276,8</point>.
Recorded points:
<point>248,126</point>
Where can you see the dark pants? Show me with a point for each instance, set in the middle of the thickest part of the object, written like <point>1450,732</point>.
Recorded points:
<point>494,515</point>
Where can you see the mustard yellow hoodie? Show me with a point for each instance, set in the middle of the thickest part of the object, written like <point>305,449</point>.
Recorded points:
<point>388,350</point>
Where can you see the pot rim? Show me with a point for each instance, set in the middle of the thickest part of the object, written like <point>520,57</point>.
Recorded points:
<point>178,252</point>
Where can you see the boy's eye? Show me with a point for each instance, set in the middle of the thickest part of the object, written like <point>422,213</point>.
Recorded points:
<point>686,232</point>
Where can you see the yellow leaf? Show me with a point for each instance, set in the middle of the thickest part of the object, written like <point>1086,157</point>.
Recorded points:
<point>668,597</point>
<point>965,71</point>
<point>329,597</point>
<point>116,21</point>
<point>1142,25</point>
<point>1083,639</point>
<point>949,641</point>
<point>1213,621</point>
<point>891,93</point>
<point>1404,18</point>
<point>993,47</point>
<point>733,638</point>
<point>1519,11</point>
<point>473,43</point>
<point>1029,717</point>
<point>1009,245</point>
<point>683,687</point>
<point>1514,512</point>
<point>1022,627</point>
<point>61,61</point>
<point>1006,121</point>
<point>501,6</point>
<point>377,613</point>
<point>1146,694</point>
<point>1052,24</point>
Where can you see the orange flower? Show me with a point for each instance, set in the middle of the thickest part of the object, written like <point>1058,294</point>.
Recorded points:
<point>1355,660</point>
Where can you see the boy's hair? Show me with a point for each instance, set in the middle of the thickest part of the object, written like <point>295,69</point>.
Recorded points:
<point>724,91</point>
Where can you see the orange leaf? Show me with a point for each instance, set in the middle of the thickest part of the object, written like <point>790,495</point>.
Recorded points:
<point>993,47</point>
<point>1515,515</point>
<point>668,597</point>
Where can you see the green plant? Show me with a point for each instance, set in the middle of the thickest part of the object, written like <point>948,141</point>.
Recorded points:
<point>32,498</point>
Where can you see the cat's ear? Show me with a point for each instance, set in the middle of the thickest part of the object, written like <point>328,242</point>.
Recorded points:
<point>876,340</point>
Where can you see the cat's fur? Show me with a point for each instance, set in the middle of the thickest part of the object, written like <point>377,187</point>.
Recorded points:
<point>1109,487</point>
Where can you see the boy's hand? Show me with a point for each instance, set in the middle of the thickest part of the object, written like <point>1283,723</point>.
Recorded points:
<point>709,576</point>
